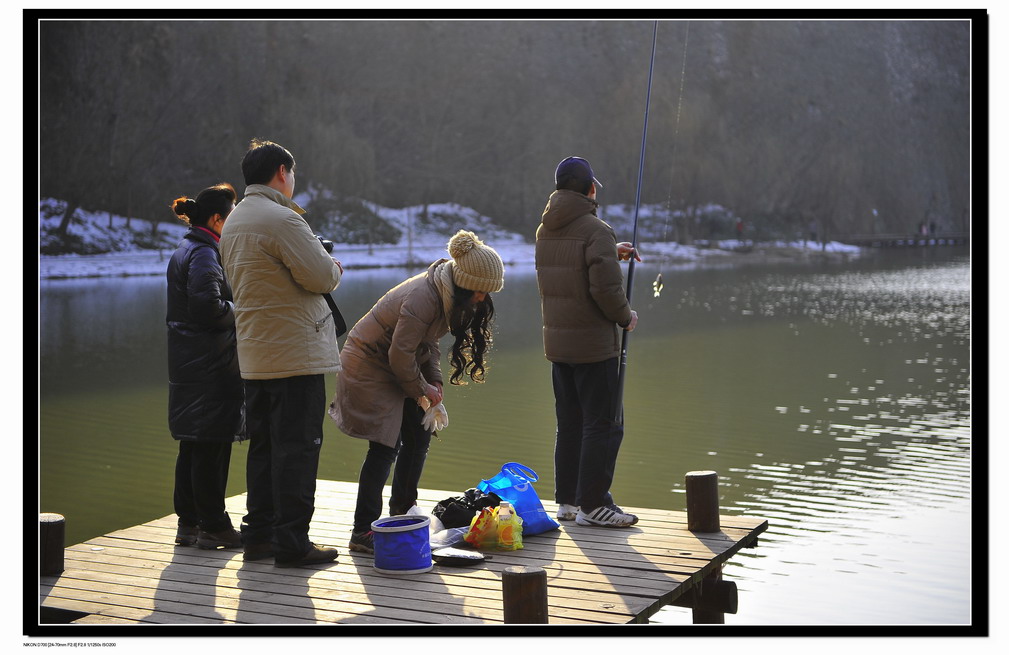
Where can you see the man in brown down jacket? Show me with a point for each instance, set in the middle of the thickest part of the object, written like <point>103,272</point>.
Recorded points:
<point>584,309</point>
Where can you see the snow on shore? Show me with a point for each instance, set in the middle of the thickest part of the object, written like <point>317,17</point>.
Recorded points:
<point>155,262</point>
<point>128,257</point>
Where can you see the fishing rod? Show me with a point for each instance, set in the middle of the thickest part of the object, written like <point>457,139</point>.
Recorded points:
<point>657,284</point>
<point>622,372</point>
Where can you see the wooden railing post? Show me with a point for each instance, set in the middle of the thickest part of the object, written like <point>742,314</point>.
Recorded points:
<point>52,534</point>
<point>525,594</point>
<point>702,501</point>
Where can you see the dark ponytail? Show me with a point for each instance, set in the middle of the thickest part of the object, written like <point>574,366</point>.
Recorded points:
<point>187,211</point>
<point>212,200</point>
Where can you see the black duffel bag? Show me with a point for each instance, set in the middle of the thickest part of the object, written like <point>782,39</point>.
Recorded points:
<point>458,511</point>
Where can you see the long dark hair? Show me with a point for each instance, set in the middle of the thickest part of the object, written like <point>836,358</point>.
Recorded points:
<point>470,324</point>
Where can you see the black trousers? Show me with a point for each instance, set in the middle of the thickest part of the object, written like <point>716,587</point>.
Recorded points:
<point>284,421</point>
<point>588,437</point>
<point>201,476</point>
<point>409,455</point>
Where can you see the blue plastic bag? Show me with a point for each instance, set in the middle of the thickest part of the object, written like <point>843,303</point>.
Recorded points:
<point>514,484</point>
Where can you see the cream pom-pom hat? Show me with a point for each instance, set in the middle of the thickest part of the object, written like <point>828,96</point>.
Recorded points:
<point>475,265</point>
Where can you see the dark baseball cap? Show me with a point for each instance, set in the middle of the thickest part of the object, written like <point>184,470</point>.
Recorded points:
<point>578,168</point>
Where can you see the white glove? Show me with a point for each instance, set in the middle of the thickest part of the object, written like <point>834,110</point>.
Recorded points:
<point>435,419</point>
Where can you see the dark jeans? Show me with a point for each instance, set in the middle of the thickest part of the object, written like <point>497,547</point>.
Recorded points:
<point>284,420</point>
<point>409,455</point>
<point>588,437</point>
<point>201,475</point>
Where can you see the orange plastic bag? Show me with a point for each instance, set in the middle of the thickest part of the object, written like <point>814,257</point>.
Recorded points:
<point>488,531</point>
<point>509,529</point>
<point>483,529</point>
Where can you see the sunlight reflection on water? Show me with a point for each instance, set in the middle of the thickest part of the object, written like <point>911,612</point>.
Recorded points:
<point>881,528</point>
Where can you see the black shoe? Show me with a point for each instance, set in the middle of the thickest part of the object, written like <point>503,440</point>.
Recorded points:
<point>315,555</point>
<point>228,538</point>
<point>257,551</point>
<point>186,535</point>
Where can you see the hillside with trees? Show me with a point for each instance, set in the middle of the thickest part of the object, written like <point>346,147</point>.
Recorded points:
<point>860,126</point>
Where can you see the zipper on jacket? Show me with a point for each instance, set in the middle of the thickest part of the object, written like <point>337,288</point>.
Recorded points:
<point>319,324</point>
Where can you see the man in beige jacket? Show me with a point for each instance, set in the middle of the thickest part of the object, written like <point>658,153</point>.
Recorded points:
<point>278,271</point>
<point>584,309</point>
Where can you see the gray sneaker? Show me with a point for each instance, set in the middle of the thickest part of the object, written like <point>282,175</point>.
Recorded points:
<point>567,512</point>
<point>609,516</point>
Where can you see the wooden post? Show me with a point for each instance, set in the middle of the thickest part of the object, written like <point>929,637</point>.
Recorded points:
<point>702,501</point>
<point>703,614</point>
<point>52,534</point>
<point>711,595</point>
<point>525,594</point>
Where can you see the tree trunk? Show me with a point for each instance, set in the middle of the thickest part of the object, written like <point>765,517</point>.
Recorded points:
<point>129,205</point>
<point>68,213</point>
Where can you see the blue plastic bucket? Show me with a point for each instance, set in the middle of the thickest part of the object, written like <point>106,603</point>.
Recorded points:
<point>402,544</point>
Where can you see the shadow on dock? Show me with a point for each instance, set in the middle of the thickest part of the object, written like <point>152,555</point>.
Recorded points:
<point>594,576</point>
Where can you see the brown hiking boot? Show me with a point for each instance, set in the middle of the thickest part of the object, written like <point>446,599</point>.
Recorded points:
<point>362,542</point>
<point>257,551</point>
<point>315,555</point>
<point>229,538</point>
<point>186,535</point>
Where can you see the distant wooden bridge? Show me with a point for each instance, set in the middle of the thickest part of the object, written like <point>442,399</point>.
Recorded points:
<point>592,576</point>
<point>906,240</point>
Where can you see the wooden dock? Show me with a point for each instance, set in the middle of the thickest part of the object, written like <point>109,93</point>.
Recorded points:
<point>594,575</point>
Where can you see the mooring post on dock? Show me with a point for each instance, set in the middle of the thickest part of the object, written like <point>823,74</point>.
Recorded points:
<point>710,599</point>
<point>702,501</point>
<point>525,594</point>
<point>52,535</point>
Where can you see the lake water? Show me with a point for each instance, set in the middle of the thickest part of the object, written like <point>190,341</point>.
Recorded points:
<point>834,400</point>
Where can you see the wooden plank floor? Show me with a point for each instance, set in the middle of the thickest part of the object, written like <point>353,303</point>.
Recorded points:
<point>595,575</point>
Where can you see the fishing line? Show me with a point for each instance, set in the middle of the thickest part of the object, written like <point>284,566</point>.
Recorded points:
<point>657,284</point>
<point>621,374</point>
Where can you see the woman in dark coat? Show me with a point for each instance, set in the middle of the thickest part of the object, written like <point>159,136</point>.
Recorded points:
<point>205,393</point>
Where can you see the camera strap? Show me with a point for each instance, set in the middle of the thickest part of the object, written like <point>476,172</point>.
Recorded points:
<point>341,325</point>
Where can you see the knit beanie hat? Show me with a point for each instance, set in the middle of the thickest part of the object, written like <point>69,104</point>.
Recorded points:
<point>475,266</point>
